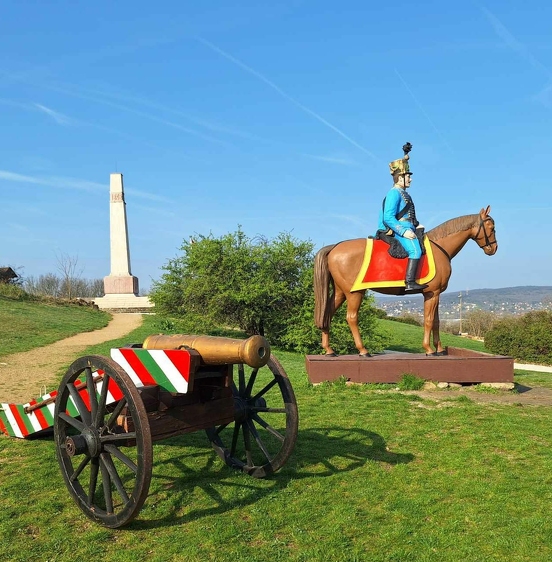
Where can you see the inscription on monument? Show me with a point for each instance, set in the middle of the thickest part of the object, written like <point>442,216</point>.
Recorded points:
<point>117,197</point>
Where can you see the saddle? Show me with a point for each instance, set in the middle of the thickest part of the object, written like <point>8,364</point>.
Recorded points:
<point>380,270</point>
<point>395,249</point>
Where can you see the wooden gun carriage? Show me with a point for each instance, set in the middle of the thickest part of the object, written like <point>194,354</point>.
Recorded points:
<point>109,411</point>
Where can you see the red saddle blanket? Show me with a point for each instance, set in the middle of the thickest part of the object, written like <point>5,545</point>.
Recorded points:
<point>380,270</point>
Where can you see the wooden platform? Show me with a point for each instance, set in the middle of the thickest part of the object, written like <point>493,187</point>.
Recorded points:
<point>460,366</point>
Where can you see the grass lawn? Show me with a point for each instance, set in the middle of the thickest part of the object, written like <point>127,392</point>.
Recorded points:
<point>375,476</point>
<point>405,337</point>
<point>26,325</point>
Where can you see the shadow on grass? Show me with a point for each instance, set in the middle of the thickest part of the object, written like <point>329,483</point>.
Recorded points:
<point>320,453</point>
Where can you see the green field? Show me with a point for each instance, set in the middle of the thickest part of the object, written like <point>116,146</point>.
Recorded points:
<point>375,476</point>
<point>26,325</point>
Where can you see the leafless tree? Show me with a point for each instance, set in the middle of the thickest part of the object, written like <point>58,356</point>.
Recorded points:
<point>478,322</point>
<point>48,284</point>
<point>67,266</point>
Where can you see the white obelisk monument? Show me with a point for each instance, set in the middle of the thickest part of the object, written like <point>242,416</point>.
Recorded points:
<point>120,281</point>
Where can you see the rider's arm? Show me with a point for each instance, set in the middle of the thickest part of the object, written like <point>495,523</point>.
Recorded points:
<point>393,204</point>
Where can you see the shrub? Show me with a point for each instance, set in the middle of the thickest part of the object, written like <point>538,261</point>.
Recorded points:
<point>303,336</point>
<point>527,338</point>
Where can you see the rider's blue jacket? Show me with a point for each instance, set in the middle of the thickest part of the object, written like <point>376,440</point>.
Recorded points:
<point>397,199</point>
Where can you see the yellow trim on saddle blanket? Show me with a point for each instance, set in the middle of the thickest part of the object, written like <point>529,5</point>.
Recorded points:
<point>360,284</point>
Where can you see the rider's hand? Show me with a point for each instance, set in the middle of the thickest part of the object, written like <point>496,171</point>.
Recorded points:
<point>409,234</point>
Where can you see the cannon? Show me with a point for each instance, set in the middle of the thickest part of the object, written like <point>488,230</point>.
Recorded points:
<point>108,411</point>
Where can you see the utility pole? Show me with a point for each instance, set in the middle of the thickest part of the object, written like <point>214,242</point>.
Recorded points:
<point>460,308</point>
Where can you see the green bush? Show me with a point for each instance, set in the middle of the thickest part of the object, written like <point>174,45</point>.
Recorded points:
<point>527,338</point>
<point>303,336</point>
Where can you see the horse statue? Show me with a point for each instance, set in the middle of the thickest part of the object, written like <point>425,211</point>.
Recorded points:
<point>339,266</point>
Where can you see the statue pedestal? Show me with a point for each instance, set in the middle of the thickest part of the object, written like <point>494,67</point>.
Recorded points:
<point>121,285</point>
<point>459,366</point>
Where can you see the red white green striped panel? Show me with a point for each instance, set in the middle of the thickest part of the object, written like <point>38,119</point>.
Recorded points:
<point>169,369</point>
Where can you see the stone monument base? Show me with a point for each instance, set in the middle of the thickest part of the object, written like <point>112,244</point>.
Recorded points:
<point>121,285</point>
<point>459,366</point>
<point>124,303</point>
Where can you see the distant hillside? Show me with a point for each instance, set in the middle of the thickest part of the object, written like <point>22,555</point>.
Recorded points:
<point>507,300</point>
<point>527,293</point>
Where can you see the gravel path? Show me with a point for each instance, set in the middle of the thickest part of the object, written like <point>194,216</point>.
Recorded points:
<point>30,374</point>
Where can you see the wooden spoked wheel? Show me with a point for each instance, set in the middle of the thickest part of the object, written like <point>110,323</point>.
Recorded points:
<point>103,440</point>
<point>264,431</point>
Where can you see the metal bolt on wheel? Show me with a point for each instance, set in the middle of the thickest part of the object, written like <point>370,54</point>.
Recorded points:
<point>264,431</point>
<point>106,464</point>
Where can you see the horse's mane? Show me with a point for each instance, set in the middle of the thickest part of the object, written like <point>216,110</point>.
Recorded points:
<point>453,226</point>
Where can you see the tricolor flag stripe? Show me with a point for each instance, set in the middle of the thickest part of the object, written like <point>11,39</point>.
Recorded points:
<point>22,419</point>
<point>72,408</point>
<point>155,370</point>
<point>135,359</point>
<point>173,375</point>
<point>44,423</point>
<point>47,412</point>
<point>12,422</point>
<point>3,422</point>
<point>181,360</point>
<point>42,419</point>
<point>85,398</point>
<point>118,357</point>
<point>109,399</point>
<point>114,390</point>
<point>33,420</point>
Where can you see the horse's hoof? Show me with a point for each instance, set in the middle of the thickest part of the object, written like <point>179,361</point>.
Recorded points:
<point>334,354</point>
<point>364,355</point>
<point>441,353</point>
<point>434,354</point>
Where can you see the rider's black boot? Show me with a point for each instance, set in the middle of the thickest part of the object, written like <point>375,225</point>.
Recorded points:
<point>411,285</point>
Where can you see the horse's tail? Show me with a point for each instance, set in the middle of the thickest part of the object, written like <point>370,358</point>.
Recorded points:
<point>322,280</point>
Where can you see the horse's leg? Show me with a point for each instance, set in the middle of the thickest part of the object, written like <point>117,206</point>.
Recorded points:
<point>336,300</point>
<point>431,307</point>
<point>436,335</point>
<point>354,300</point>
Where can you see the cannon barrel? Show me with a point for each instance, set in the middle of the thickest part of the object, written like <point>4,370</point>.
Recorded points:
<point>254,351</point>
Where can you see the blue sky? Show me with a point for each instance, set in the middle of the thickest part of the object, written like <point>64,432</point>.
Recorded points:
<point>277,116</point>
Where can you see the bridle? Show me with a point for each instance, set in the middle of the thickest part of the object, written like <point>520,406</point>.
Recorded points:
<point>488,242</point>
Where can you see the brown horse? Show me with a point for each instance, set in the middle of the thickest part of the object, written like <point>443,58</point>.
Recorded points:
<point>338,265</point>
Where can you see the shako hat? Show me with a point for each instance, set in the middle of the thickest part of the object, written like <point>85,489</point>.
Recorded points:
<point>401,166</point>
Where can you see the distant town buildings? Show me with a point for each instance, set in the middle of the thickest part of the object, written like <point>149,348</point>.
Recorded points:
<point>450,310</point>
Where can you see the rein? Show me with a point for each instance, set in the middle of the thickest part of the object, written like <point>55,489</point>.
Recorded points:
<point>442,250</point>
<point>487,239</point>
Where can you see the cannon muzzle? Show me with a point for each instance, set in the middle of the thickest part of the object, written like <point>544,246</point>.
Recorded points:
<point>254,351</point>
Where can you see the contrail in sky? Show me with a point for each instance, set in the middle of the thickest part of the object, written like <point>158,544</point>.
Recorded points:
<point>420,107</point>
<point>286,96</point>
<point>508,38</point>
<point>523,51</point>
<point>55,115</point>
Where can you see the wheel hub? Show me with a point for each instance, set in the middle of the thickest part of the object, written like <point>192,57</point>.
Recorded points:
<point>243,407</point>
<point>87,442</point>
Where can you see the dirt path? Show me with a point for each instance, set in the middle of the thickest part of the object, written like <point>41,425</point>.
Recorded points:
<point>24,375</point>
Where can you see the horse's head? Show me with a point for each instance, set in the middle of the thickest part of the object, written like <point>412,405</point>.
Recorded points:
<point>484,233</point>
